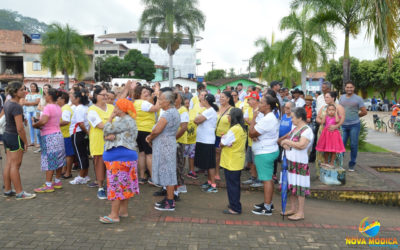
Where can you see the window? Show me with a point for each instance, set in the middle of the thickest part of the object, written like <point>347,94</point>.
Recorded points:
<point>101,51</point>
<point>154,40</point>
<point>145,55</point>
<point>127,40</point>
<point>144,40</point>
<point>96,52</point>
<point>111,52</point>
<point>37,66</point>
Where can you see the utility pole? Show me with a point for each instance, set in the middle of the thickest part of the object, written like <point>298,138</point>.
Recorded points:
<point>248,60</point>
<point>212,65</point>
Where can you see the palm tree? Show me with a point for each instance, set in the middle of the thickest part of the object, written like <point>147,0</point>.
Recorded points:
<point>168,19</point>
<point>344,14</point>
<point>383,25</point>
<point>64,50</point>
<point>307,40</point>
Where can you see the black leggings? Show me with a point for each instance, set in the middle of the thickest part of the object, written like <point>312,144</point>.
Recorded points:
<point>80,143</point>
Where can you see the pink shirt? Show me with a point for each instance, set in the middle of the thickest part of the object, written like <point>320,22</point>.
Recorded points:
<point>53,111</point>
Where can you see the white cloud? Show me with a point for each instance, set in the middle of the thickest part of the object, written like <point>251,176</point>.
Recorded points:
<point>231,27</point>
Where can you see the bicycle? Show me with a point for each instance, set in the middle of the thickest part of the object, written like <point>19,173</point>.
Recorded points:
<point>396,126</point>
<point>392,120</point>
<point>379,124</point>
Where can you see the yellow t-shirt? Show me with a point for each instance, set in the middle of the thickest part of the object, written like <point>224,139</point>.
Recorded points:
<point>65,128</point>
<point>233,157</point>
<point>96,135</point>
<point>145,120</point>
<point>192,127</point>
<point>223,124</point>
<point>183,138</point>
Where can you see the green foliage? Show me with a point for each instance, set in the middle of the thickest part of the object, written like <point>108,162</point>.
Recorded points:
<point>362,138</point>
<point>334,72</point>
<point>12,20</point>
<point>133,61</point>
<point>215,74</point>
<point>231,73</point>
<point>65,50</point>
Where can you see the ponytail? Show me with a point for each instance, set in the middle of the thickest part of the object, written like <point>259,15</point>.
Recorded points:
<point>211,101</point>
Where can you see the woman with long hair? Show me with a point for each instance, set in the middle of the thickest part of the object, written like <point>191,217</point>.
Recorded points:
<point>65,122</point>
<point>52,142</point>
<point>98,115</point>
<point>265,133</point>
<point>15,142</point>
<point>31,103</point>
<point>204,157</point>
<point>233,145</point>
<point>120,158</point>
<point>79,131</point>
<point>226,104</point>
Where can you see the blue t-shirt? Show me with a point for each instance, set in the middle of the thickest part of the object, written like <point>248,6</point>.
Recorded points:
<point>352,106</point>
<point>285,126</point>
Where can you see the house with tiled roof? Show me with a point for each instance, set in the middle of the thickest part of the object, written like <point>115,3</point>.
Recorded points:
<point>20,60</point>
<point>221,84</point>
<point>314,81</point>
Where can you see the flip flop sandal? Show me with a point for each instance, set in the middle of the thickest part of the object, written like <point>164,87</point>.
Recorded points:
<point>287,214</point>
<point>124,216</point>
<point>295,219</point>
<point>107,220</point>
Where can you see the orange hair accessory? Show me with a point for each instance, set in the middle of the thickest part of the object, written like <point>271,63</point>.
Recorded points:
<point>126,106</point>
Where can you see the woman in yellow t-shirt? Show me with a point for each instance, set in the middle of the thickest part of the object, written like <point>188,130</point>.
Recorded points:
<point>223,124</point>
<point>233,145</point>
<point>238,104</point>
<point>181,139</point>
<point>98,115</point>
<point>145,121</point>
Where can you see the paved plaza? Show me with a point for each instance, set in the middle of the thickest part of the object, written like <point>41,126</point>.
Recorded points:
<point>68,219</point>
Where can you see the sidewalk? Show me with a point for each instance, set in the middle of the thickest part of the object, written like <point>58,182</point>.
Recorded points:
<point>388,140</point>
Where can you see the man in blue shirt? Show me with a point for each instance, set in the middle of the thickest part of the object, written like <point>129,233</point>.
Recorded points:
<point>373,103</point>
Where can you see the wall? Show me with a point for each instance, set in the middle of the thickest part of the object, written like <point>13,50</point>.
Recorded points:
<point>246,84</point>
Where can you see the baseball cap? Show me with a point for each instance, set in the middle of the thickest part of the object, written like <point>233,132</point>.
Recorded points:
<point>253,94</point>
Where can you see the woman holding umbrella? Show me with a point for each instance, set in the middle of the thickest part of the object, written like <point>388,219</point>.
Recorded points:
<point>296,146</point>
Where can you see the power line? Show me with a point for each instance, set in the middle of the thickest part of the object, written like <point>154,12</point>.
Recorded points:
<point>212,65</point>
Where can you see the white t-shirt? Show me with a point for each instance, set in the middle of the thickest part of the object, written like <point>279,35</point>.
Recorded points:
<point>66,116</point>
<point>300,103</point>
<point>242,95</point>
<point>301,156</point>
<point>184,117</point>
<point>80,115</point>
<point>246,115</point>
<point>94,118</point>
<point>206,130</point>
<point>146,106</point>
<point>321,102</point>
<point>268,128</point>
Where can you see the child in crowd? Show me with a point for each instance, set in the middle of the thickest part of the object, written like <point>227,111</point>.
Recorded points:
<point>330,141</point>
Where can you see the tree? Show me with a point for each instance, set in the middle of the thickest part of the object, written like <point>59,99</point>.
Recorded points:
<point>395,75</point>
<point>170,18</point>
<point>344,14</point>
<point>308,41</point>
<point>215,74</point>
<point>64,50</point>
<point>142,66</point>
<point>335,73</point>
<point>231,73</point>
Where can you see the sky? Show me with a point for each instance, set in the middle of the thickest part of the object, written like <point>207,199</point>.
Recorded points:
<point>231,28</point>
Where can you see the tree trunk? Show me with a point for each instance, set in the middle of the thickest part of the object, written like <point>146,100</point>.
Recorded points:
<point>346,58</point>
<point>395,94</point>
<point>304,79</point>
<point>171,70</point>
<point>66,80</point>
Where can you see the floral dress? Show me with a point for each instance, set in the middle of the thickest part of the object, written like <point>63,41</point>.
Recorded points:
<point>298,169</point>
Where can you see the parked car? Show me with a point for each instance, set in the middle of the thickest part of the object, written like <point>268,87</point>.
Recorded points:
<point>367,103</point>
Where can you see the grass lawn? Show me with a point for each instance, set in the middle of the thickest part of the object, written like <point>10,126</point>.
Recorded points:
<point>371,148</point>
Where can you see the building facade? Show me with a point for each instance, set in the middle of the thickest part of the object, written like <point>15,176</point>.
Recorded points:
<point>185,58</point>
<point>20,60</point>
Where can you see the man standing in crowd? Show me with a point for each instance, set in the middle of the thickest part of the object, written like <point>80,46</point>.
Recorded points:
<point>373,103</point>
<point>354,108</point>
<point>187,94</point>
<point>242,93</point>
<point>276,86</point>
<point>298,101</point>
<point>179,87</point>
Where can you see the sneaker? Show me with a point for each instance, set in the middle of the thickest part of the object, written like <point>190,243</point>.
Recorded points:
<point>256,184</point>
<point>166,206</point>
<point>261,205</point>
<point>142,181</point>
<point>192,175</point>
<point>9,193</point>
<point>44,189</point>
<point>93,185</point>
<point>351,169</point>
<point>205,185</point>
<point>150,181</point>
<point>162,192</point>
<point>86,179</point>
<point>211,190</point>
<point>101,194</point>
<point>159,203</point>
<point>249,181</point>
<point>182,189</point>
<point>77,180</point>
<point>177,198</point>
<point>262,211</point>
<point>24,196</point>
<point>57,185</point>
<point>37,151</point>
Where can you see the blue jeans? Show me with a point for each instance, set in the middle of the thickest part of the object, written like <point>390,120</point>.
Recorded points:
<point>373,107</point>
<point>352,132</point>
<point>34,133</point>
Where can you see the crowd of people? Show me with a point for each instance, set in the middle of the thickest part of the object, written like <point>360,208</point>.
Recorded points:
<point>141,134</point>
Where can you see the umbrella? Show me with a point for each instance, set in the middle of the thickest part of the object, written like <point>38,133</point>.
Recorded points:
<point>284,183</point>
